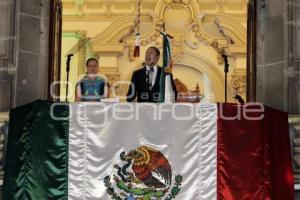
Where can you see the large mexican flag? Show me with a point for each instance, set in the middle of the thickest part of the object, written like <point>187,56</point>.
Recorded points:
<point>97,151</point>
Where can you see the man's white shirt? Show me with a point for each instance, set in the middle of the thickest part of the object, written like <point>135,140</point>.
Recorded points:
<point>152,74</point>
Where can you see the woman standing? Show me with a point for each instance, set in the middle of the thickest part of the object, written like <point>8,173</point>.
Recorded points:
<point>92,87</point>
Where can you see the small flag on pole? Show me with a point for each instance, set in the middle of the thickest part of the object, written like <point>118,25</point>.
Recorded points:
<point>167,64</point>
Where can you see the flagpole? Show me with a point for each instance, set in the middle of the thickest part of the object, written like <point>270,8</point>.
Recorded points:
<point>68,72</point>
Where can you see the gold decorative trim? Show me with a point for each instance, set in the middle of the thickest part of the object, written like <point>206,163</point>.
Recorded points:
<point>177,1</point>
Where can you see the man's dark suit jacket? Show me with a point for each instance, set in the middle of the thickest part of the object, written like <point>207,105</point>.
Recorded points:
<point>141,90</point>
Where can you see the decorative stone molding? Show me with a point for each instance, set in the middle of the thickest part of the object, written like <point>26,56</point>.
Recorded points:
<point>163,12</point>
<point>112,75</point>
<point>177,1</point>
<point>191,5</point>
<point>223,23</point>
<point>219,50</point>
<point>189,17</point>
<point>99,7</point>
<point>113,79</point>
<point>220,5</point>
<point>82,52</point>
<point>177,51</point>
<point>227,43</point>
<point>235,30</point>
<point>79,4</point>
<point>79,48</point>
<point>114,34</point>
<point>239,82</point>
<point>114,48</point>
<point>108,4</point>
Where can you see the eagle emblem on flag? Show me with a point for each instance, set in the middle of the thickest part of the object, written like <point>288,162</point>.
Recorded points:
<point>144,174</point>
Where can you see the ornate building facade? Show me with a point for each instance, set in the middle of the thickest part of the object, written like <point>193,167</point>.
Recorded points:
<point>202,30</point>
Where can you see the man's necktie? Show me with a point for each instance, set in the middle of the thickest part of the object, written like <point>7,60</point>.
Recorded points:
<point>151,74</point>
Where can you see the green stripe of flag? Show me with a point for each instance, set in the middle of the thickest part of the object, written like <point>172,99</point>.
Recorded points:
<point>166,63</point>
<point>37,153</point>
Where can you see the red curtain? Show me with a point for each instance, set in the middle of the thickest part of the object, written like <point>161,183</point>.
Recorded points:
<point>254,159</point>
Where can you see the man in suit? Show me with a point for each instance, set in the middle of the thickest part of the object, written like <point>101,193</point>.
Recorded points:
<point>145,82</point>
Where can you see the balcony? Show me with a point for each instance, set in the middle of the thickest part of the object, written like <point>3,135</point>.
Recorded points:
<point>294,126</point>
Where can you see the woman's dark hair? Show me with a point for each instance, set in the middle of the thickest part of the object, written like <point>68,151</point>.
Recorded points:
<point>90,59</point>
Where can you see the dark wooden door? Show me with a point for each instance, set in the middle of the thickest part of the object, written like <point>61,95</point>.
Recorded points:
<point>55,49</point>
<point>251,51</point>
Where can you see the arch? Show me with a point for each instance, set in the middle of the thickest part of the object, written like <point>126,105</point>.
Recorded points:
<point>114,31</point>
<point>235,29</point>
<point>232,28</point>
<point>204,66</point>
<point>120,28</point>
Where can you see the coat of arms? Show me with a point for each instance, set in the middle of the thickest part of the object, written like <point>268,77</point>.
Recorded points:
<point>145,174</point>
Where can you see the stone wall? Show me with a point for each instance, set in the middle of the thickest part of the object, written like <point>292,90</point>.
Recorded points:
<point>7,54</point>
<point>271,61</point>
<point>292,52</point>
<point>278,54</point>
<point>24,29</point>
